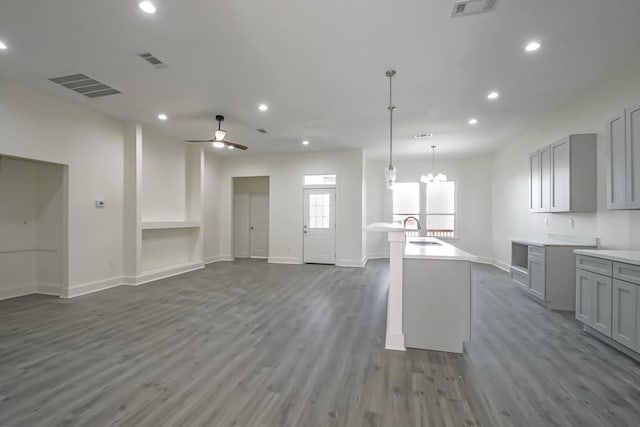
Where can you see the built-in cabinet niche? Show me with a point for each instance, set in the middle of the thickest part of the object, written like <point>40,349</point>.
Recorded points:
<point>623,159</point>
<point>171,214</point>
<point>563,176</point>
<point>32,227</point>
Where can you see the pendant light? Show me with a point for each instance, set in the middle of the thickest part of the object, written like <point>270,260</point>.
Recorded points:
<point>431,176</point>
<point>390,172</point>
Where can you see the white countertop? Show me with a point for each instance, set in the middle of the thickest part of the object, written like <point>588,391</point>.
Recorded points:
<point>630,257</point>
<point>384,226</point>
<point>442,251</point>
<point>557,240</point>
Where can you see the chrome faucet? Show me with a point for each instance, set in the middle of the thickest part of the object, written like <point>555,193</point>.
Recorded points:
<point>414,218</point>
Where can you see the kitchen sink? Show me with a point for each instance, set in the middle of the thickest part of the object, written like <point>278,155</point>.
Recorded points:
<point>423,243</point>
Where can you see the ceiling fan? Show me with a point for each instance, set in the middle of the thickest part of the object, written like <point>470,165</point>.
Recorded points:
<point>219,140</point>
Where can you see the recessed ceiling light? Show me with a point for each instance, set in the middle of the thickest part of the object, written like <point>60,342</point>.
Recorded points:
<point>473,121</point>
<point>218,144</point>
<point>493,95</point>
<point>147,7</point>
<point>305,142</point>
<point>162,117</point>
<point>532,46</point>
<point>2,46</point>
<point>263,107</point>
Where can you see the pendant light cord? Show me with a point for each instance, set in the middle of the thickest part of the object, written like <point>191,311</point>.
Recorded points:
<point>391,108</point>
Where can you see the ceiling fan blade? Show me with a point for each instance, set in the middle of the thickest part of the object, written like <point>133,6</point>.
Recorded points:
<point>235,145</point>
<point>198,140</point>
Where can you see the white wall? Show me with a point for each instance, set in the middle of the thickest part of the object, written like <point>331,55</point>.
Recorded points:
<point>474,200</point>
<point>586,114</point>
<point>164,178</point>
<point>211,207</point>
<point>285,172</point>
<point>37,126</point>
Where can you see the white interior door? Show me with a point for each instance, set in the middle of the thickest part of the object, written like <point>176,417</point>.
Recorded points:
<point>241,223</point>
<point>320,225</point>
<point>259,230</point>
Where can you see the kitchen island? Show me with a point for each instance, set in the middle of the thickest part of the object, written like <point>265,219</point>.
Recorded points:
<point>436,295</point>
<point>440,296</point>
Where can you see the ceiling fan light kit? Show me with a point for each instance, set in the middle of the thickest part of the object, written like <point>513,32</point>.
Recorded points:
<point>219,136</point>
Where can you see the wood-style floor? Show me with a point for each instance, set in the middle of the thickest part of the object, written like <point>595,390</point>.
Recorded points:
<point>255,344</point>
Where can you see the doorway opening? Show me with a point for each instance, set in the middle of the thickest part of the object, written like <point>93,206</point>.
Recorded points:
<point>251,217</point>
<point>319,224</point>
<point>33,227</point>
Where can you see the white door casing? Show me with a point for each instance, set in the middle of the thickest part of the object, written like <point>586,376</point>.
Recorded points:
<point>259,228</point>
<point>319,225</point>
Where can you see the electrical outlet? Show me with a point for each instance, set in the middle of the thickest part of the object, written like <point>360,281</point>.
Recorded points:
<point>100,204</point>
<point>571,223</point>
<point>546,222</point>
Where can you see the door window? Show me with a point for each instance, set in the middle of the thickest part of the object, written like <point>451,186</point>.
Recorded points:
<point>319,210</point>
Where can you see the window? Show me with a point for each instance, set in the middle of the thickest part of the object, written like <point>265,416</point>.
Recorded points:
<point>435,207</point>
<point>406,200</point>
<point>440,209</point>
<point>320,180</point>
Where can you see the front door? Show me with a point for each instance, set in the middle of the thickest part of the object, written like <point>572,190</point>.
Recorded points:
<point>259,230</point>
<point>320,225</point>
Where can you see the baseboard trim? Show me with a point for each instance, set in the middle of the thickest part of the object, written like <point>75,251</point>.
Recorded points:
<point>378,255</point>
<point>15,291</point>
<point>91,287</point>
<point>501,265</point>
<point>395,341</point>
<point>218,258</point>
<point>351,262</point>
<point>49,289</point>
<point>163,273</point>
<point>284,260</point>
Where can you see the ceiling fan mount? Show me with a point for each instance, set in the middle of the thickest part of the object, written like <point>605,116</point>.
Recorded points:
<point>219,138</point>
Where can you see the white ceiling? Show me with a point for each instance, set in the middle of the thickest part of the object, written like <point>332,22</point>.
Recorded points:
<point>320,65</point>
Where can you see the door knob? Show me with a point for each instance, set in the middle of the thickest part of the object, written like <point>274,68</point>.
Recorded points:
<point>251,228</point>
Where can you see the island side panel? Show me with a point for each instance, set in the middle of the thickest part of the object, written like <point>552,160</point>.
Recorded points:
<point>437,304</point>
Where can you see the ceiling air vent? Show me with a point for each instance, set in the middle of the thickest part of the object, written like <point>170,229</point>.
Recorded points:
<point>153,60</point>
<point>85,85</point>
<point>473,7</point>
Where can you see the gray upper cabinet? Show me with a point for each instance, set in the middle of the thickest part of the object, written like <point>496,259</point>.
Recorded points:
<point>534,182</point>
<point>633,157</point>
<point>566,178</point>
<point>623,160</point>
<point>616,162</point>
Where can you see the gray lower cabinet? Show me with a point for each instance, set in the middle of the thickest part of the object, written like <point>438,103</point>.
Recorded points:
<point>593,300</point>
<point>537,277</point>
<point>608,298</point>
<point>625,311</point>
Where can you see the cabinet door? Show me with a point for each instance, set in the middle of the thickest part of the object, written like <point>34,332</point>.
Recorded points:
<point>633,157</point>
<point>601,309</point>
<point>584,296</point>
<point>534,182</point>
<point>624,315</point>
<point>545,179</point>
<point>616,162</point>
<point>561,176</point>
<point>537,277</point>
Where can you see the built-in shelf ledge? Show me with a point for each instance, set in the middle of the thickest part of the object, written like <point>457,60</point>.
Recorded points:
<point>163,225</point>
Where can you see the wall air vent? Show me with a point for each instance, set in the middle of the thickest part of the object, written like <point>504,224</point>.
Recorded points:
<point>153,60</point>
<point>85,85</point>
<point>473,7</point>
